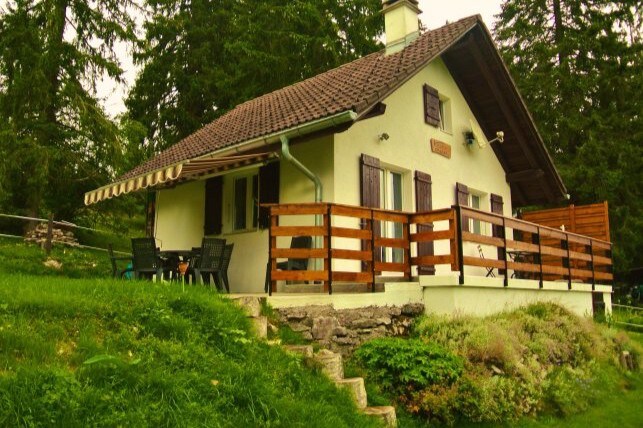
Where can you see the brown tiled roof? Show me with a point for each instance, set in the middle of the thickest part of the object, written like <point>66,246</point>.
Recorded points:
<point>354,86</point>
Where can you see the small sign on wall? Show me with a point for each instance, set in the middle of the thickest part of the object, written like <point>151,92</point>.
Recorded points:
<point>441,148</point>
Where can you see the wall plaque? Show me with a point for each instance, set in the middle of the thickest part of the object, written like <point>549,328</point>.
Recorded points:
<point>441,148</point>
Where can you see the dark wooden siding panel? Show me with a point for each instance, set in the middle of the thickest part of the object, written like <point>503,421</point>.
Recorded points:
<point>431,106</point>
<point>268,191</point>
<point>213,220</point>
<point>462,199</point>
<point>370,192</point>
<point>423,203</point>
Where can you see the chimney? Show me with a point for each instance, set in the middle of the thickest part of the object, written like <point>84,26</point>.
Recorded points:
<point>401,24</point>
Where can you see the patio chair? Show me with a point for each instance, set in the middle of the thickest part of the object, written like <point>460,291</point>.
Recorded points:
<point>116,272</point>
<point>301,242</point>
<point>209,262</point>
<point>146,261</point>
<point>223,273</point>
<point>489,269</point>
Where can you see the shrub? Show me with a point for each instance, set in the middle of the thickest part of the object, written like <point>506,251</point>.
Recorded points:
<point>398,364</point>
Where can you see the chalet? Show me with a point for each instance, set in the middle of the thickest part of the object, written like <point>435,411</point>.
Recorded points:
<point>404,165</point>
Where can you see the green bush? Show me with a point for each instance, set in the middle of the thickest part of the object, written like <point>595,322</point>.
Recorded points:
<point>398,364</point>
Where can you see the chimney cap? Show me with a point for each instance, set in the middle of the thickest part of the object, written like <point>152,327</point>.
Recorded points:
<point>388,4</point>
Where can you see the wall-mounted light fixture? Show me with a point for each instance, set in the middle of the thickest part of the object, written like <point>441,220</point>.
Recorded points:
<point>383,136</point>
<point>500,137</point>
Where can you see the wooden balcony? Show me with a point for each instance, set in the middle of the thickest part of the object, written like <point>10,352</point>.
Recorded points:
<point>357,244</point>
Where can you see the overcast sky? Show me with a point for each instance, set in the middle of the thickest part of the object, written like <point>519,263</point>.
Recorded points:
<point>435,13</point>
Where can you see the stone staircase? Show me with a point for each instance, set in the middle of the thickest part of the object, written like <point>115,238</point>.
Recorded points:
<point>332,366</point>
<point>331,363</point>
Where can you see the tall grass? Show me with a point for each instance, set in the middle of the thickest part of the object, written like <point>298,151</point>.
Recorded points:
<point>122,353</point>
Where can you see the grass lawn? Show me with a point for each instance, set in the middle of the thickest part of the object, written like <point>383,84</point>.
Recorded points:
<point>99,352</point>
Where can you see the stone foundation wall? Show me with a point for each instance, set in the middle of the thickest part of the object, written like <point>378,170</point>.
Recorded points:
<point>344,330</point>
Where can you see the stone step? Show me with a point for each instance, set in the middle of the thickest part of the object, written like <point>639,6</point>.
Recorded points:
<point>331,364</point>
<point>251,304</point>
<point>261,326</point>
<point>305,351</point>
<point>356,386</point>
<point>385,413</point>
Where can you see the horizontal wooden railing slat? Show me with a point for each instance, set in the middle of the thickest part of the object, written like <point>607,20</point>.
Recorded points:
<point>430,217</point>
<point>297,209</point>
<point>345,211</point>
<point>299,253</point>
<point>298,231</point>
<point>391,242</point>
<point>476,261</point>
<point>299,275</point>
<point>351,254</point>
<point>390,216</point>
<point>482,239</point>
<point>432,236</point>
<point>345,232</point>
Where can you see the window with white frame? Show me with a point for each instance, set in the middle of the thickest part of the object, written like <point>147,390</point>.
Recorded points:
<point>477,200</point>
<point>445,114</point>
<point>391,199</point>
<point>243,211</point>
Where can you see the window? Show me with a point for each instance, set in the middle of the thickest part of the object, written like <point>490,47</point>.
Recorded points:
<point>445,115</point>
<point>475,224</point>
<point>243,201</point>
<point>437,109</point>
<point>391,199</point>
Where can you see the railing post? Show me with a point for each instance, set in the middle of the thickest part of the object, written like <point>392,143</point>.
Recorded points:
<point>408,247</point>
<point>458,222</point>
<point>272,243</point>
<point>590,247</point>
<point>50,234</point>
<point>504,252</point>
<point>567,261</point>
<point>539,257</point>
<point>329,252</point>
<point>373,250</point>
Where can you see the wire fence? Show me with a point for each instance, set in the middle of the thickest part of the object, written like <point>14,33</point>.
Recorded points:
<point>50,239</point>
<point>628,316</point>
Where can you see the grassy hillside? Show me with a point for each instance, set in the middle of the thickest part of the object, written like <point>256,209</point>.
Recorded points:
<point>120,353</point>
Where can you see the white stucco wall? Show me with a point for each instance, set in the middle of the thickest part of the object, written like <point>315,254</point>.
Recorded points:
<point>179,216</point>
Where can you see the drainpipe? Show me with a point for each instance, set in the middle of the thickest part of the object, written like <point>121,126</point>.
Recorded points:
<point>319,188</point>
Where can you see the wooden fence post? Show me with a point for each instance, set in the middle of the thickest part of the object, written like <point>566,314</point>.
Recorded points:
<point>50,234</point>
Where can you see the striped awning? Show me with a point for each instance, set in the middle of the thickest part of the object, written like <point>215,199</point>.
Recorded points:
<point>188,170</point>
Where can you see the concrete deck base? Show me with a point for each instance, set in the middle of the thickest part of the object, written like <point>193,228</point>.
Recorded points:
<point>444,295</point>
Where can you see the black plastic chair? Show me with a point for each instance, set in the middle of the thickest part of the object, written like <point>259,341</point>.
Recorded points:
<point>300,242</point>
<point>146,261</point>
<point>209,262</point>
<point>116,272</point>
<point>225,263</point>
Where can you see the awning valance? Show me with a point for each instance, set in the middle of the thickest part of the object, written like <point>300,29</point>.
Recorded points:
<point>187,170</point>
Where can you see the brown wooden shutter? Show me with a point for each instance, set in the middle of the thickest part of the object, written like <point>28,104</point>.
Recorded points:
<point>462,199</point>
<point>498,231</point>
<point>423,203</point>
<point>213,206</point>
<point>370,194</point>
<point>431,106</point>
<point>268,191</point>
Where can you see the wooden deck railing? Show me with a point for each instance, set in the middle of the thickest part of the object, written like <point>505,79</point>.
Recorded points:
<point>351,247</point>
